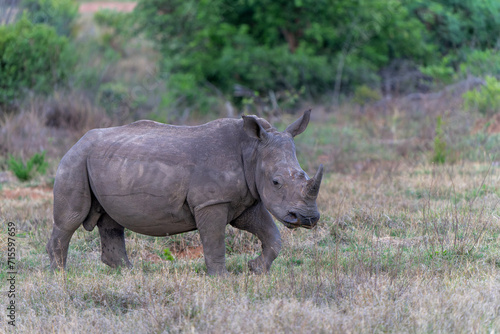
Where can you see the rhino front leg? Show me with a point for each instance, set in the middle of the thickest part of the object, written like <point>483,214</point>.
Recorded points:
<point>211,221</point>
<point>112,242</point>
<point>258,221</point>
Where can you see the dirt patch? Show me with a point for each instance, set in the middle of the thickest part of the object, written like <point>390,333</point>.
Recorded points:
<point>34,193</point>
<point>490,125</point>
<point>93,7</point>
<point>189,253</point>
<point>150,257</point>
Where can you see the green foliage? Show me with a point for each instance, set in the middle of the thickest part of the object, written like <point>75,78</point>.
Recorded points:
<point>284,49</point>
<point>481,64</point>
<point>454,24</point>
<point>439,155</point>
<point>32,58</point>
<point>59,14</point>
<point>115,29</point>
<point>486,100</point>
<point>441,72</point>
<point>209,47</point>
<point>365,95</point>
<point>26,171</point>
<point>112,95</point>
<point>113,19</point>
<point>167,255</point>
<point>280,46</point>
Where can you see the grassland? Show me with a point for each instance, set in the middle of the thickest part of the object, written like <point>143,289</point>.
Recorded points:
<point>402,246</point>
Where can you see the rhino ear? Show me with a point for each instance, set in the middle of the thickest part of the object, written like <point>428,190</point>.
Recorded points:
<point>297,127</point>
<point>253,128</point>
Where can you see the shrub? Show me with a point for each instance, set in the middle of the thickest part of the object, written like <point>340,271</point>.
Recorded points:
<point>59,14</point>
<point>364,95</point>
<point>112,96</point>
<point>486,100</point>
<point>441,72</point>
<point>167,255</point>
<point>32,58</point>
<point>211,47</point>
<point>455,24</point>
<point>481,64</point>
<point>26,171</point>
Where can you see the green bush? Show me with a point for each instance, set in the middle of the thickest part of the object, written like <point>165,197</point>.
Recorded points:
<point>481,63</point>
<point>32,58</point>
<point>119,22</point>
<point>167,255</point>
<point>486,99</point>
<point>365,95</point>
<point>112,96</point>
<point>59,14</point>
<point>456,24</point>
<point>26,171</point>
<point>211,47</point>
<point>442,72</point>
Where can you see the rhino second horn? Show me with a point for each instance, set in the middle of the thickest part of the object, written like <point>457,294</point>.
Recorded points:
<point>312,188</point>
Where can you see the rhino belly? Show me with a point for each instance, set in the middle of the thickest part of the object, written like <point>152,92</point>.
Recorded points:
<point>145,197</point>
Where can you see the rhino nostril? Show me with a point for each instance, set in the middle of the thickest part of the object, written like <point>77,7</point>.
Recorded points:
<point>310,220</point>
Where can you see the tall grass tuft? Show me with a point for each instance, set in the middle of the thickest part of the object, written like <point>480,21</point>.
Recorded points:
<point>439,156</point>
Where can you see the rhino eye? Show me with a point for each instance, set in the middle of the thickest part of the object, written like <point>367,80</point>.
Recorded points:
<point>277,183</point>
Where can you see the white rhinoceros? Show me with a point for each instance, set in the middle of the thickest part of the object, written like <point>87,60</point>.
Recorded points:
<point>161,180</point>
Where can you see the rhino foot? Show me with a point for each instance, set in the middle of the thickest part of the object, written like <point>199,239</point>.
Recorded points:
<point>258,266</point>
<point>57,247</point>
<point>115,262</point>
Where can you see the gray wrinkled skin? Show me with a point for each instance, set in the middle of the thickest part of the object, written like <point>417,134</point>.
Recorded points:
<point>160,180</point>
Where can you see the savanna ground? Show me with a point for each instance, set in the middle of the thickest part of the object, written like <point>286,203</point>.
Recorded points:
<point>403,245</point>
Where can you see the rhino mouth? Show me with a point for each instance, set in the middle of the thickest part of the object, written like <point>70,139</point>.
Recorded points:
<point>290,225</point>
<point>292,221</point>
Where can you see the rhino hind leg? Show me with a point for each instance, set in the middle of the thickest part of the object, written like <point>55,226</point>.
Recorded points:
<point>58,246</point>
<point>258,221</point>
<point>112,235</point>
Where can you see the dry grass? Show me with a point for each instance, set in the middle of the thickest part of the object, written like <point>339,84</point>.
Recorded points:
<point>52,124</point>
<point>368,267</point>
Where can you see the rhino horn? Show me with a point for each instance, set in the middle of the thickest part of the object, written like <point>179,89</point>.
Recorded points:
<point>312,187</point>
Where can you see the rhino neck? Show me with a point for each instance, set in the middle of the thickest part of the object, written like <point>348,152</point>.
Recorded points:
<point>250,158</point>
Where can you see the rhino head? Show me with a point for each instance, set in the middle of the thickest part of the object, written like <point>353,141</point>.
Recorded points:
<point>285,189</point>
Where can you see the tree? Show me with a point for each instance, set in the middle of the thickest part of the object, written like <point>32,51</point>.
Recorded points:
<point>454,24</point>
<point>32,58</point>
